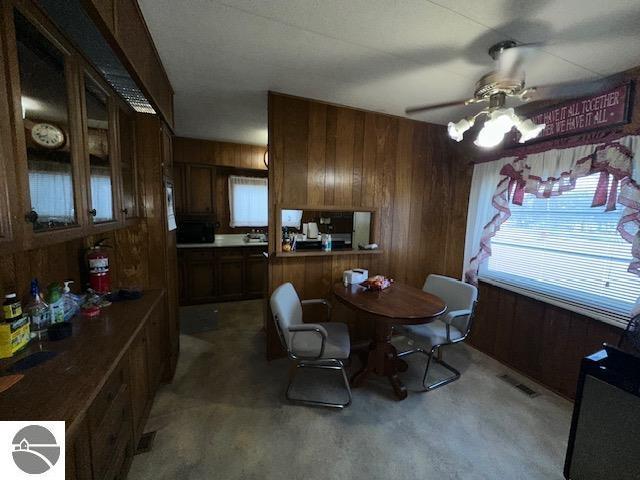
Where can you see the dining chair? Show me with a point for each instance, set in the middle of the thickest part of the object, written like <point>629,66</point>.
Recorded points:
<point>450,328</point>
<point>310,345</point>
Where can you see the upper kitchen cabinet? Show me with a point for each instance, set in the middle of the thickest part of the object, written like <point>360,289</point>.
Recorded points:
<point>167,151</point>
<point>122,23</point>
<point>8,202</point>
<point>179,185</point>
<point>46,118</point>
<point>128,164</point>
<point>68,149</point>
<point>99,114</point>
<point>201,192</point>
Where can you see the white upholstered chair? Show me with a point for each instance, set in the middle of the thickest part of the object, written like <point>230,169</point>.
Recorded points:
<point>312,345</point>
<point>451,327</point>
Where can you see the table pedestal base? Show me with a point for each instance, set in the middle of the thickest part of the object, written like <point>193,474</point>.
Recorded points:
<point>382,359</point>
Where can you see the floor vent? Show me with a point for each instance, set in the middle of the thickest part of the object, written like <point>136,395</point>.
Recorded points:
<point>520,386</point>
<point>146,442</point>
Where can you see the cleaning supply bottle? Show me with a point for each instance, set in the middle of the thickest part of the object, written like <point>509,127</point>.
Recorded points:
<point>70,301</point>
<point>56,305</point>
<point>38,312</point>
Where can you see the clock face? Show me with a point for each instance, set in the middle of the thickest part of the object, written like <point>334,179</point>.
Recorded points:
<point>47,135</point>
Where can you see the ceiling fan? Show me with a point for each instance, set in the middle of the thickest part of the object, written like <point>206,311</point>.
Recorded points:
<point>508,81</point>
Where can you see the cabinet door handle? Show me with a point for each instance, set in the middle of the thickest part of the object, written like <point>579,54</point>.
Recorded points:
<point>31,217</point>
<point>125,211</point>
<point>93,212</point>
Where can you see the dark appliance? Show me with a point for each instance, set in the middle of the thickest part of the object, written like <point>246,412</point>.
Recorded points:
<point>196,230</point>
<point>604,441</point>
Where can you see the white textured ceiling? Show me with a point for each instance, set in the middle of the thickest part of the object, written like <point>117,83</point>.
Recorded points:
<point>383,55</point>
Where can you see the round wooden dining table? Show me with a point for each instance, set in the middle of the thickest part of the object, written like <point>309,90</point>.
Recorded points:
<point>396,305</point>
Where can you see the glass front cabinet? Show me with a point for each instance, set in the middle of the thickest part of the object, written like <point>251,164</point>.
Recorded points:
<point>99,152</point>
<point>73,137</point>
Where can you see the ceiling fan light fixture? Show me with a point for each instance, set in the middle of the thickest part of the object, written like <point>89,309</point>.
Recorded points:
<point>500,122</point>
<point>456,130</point>
<point>529,130</point>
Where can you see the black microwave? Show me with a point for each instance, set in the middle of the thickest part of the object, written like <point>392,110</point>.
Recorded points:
<point>196,231</point>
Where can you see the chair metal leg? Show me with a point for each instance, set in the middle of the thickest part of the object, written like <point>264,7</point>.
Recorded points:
<point>329,365</point>
<point>436,355</point>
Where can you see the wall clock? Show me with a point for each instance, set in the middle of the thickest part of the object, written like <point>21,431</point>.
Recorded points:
<point>47,135</point>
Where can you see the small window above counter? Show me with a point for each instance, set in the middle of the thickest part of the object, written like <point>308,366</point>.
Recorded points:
<point>321,230</point>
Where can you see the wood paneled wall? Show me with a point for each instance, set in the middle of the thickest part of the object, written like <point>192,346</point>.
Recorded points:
<point>323,154</point>
<point>223,154</point>
<point>229,159</point>
<point>133,246</point>
<point>64,261</point>
<point>542,341</point>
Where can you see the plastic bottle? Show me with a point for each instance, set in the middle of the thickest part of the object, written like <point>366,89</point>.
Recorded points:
<point>38,312</point>
<point>11,308</point>
<point>56,305</point>
<point>69,301</point>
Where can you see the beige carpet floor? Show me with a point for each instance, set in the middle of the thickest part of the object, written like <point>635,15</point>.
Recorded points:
<point>225,417</point>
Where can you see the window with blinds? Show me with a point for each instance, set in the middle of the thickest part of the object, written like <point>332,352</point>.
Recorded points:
<point>563,249</point>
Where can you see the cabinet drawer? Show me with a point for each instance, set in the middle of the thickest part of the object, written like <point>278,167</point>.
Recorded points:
<point>231,254</point>
<point>107,396</point>
<point>119,465</point>
<point>198,254</point>
<point>113,433</point>
<point>255,252</point>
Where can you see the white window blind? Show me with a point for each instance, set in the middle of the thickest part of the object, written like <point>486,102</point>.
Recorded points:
<point>564,249</point>
<point>101,197</point>
<point>248,201</point>
<point>52,195</point>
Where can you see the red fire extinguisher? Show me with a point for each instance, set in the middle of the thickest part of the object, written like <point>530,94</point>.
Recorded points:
<point>98,261</point>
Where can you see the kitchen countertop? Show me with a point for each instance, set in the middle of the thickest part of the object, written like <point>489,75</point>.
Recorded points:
<point>222,241</point>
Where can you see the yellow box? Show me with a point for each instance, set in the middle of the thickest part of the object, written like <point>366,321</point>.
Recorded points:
<point>14,336</point>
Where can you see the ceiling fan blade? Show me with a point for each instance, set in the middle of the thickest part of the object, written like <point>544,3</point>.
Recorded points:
<point>511,61</point>
<point>424,108</point>
<point>570,89</point>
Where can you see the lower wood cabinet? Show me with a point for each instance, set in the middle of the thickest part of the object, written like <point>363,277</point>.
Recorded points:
<point>200,280</point>
<point>230,272</point>
<point>221,274</point>
<point>156,349</point>
<point>104,444</point>
<point>255,271</point>
<point>138,377</point>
